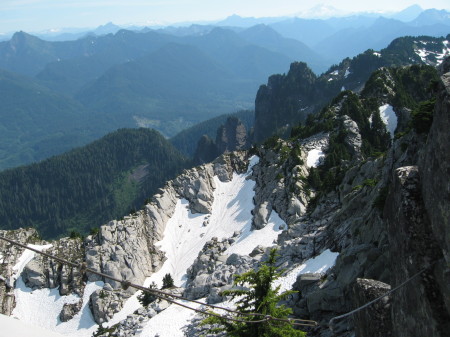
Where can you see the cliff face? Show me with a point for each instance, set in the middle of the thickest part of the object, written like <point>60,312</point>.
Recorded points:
<point>231,136</point>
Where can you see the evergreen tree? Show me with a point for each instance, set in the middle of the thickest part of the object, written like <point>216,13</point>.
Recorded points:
<point>259,298</point>
<point>167,281</point>
<point>147,297</point>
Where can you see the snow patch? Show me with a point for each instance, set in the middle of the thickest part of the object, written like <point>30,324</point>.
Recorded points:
<point>42,307</point>
<point>164,324</point>
<point>347,72</point>
<point>266,236</point>
<point>26,257</point>
<point>318,264</point>
<point>314,157</point>
<point>376,54</point>
<point>14,327</point>
<point>335,73</point>
<point>389,118</point>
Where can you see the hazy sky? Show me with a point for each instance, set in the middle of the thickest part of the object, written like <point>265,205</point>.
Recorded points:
<point>35,15</point>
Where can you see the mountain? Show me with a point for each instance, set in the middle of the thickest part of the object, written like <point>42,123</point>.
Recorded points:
<point>71,74</point>
<point>287,99</point>
<point>87,186</point>
<point>176,84</point>
<point>37,123</point>
<point>186,140</point>
<point>308,31</point>
<point>268,38</point>
<point>357,214</point>
<point>176,81</point>
<point>351,41</point>
<point>431,17</point>
<point>408,14</point>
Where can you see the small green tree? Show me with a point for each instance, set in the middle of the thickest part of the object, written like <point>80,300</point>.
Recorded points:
<point>167,281</point>
<point>147,297</point>
<point>259,298</point>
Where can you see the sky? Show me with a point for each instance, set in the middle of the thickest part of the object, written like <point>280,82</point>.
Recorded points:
<point>39,15</point>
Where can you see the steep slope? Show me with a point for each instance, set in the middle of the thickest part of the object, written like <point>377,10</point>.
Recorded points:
<point>84,188</point>
<point>287,99</point>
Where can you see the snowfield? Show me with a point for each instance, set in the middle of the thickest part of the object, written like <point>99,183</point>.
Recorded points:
<point>12,327</point>
<point>41,307</point>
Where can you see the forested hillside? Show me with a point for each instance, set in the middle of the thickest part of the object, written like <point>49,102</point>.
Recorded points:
<point>88,186</point>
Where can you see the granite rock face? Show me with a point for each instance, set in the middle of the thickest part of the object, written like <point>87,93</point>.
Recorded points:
<point>418,307</point>
<point>213,272</point>
<point>375,320</point>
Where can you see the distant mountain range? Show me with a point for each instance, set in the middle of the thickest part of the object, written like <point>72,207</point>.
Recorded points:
<point>169,78</point>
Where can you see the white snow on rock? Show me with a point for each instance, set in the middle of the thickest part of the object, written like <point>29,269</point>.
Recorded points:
<point>389,118</point>
<point>164,324</point>
<point>318,264</point>
<point>423,53</point>
<point>347,72</point>
<point>314,156</point>
<point>42,307</point>
<point>26,257</point>
<point>186,233</point>
<point>13,327</point>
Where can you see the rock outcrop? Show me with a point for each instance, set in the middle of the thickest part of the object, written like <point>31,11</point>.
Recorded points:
<point>213,272</point>
<point>230,137</point>
<point>375,320</point>
<point>9,256</point>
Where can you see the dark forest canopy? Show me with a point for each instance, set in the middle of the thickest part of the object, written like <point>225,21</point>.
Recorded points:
<point>90,185</point>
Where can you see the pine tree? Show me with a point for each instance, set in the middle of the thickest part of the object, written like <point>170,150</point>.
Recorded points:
<point>167,281</point>
<point>147,297</point>
<point>259,298</point>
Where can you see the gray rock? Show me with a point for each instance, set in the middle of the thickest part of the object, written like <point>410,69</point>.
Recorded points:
<point>70,310</point>
<point>375,320</point>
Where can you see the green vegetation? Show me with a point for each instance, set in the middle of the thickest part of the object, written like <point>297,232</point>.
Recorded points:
<point>37,123</point>
<point>255,295</point>
<point>147,297</point>
<point>88,186</point>
<point>167,281</point>
<point>422,116</point>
